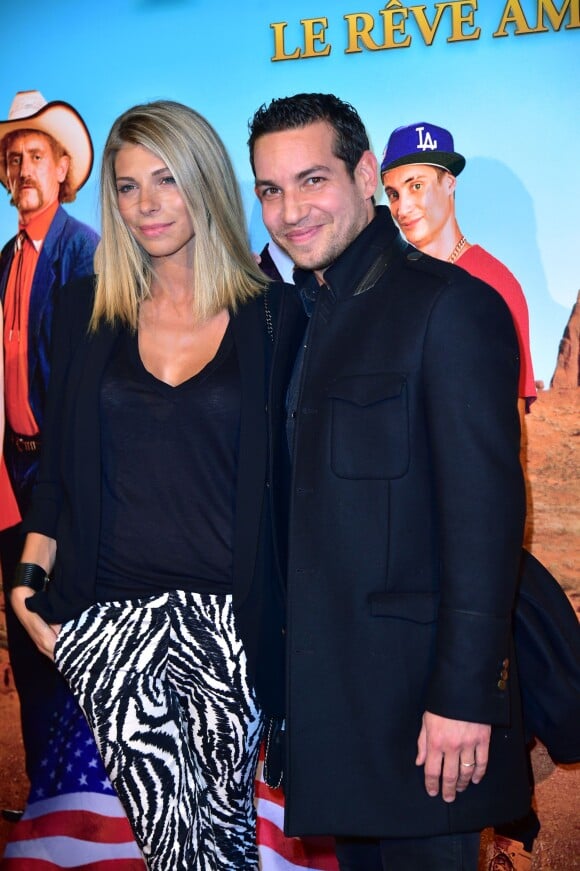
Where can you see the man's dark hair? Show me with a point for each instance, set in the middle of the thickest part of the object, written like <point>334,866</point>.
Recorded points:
<point>289,113</point>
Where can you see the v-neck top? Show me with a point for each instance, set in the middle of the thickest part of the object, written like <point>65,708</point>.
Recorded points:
<point>169,461</point>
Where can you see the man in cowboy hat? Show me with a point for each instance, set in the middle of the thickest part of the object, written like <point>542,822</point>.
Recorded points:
<point>46,155</point>
<point>419,169</point>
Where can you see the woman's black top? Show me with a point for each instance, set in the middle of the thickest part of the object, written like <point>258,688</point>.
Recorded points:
<point>169,460</point>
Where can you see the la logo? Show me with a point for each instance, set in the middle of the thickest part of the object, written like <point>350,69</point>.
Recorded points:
<point>426,143</point>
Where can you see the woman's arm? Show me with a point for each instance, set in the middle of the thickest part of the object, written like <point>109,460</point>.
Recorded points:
<point>39,550</point>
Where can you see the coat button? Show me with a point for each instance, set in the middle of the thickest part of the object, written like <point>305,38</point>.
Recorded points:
<point>501,684</point>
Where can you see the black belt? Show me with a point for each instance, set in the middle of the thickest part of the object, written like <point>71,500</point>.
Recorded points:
<point>24,444</point>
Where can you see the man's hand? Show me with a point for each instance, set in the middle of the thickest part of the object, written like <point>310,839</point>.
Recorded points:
<point>448,748</point>
<point>43,634</point>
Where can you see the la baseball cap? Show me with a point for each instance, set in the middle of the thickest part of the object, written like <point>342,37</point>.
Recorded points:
<point>422,143</point>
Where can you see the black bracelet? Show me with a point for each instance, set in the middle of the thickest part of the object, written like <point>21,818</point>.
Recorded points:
<point>30,575</point>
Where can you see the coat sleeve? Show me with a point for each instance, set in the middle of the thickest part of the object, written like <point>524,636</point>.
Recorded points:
<point>73,305</point>
<point>471,370</point>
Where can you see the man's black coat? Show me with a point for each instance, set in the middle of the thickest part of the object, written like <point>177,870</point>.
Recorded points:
<point>404,538</point>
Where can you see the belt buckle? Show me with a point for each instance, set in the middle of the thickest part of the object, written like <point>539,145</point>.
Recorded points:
<point>25,446</point>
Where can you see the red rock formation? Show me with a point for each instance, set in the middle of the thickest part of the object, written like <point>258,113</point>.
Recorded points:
<point>567,372</point>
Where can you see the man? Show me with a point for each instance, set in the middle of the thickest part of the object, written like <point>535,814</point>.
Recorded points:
<point>419,169</point>
<point>405,516</point>
<point>46,155</point>
<point>275,263</point>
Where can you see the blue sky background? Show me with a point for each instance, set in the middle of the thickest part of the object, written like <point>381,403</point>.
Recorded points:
<point>512,104</point>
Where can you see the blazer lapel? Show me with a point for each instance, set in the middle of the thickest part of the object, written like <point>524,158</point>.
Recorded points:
<point>87,369</point>
<point>249,336</point>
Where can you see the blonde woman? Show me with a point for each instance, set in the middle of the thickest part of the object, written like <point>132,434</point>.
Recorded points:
<point>163,615</point>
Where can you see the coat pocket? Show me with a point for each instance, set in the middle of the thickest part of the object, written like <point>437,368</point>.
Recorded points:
<point>370,427</point>
<point>415,607</point>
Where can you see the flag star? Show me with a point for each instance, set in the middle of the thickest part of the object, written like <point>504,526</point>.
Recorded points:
<point>44,763</point>
<point>93,763</point>
<point>39,792</point>
<point>106,785</point>
<point>78,753</point>
<point>88,742</point>
<point>83,780</point>
<point>69,768</point>
<point>52,775</point>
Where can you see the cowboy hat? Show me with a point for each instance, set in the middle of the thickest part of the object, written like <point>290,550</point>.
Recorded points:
<point>30,111</point>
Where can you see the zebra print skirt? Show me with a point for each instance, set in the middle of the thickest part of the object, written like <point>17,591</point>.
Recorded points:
<point>163,684</point>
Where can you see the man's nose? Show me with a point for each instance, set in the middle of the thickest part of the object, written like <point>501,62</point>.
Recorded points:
<point>26,166</point>
<point>294,207</point>
<point>402,204</point>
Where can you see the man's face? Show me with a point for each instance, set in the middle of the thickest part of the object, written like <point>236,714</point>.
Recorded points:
<point>311,206</point>
<point>421,203</point>
<point>34,174</point>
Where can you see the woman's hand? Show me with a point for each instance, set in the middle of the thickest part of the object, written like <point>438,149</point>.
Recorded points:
<point>43,634</point>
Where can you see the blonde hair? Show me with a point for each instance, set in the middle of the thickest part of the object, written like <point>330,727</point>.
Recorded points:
<point>225,273</point>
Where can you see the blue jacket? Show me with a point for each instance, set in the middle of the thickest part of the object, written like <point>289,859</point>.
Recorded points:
<point>67,253</point>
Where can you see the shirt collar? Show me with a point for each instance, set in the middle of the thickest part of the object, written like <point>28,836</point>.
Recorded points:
<point>38,227</point>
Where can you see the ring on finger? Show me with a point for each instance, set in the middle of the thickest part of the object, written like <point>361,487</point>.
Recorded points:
<point>468,764</point>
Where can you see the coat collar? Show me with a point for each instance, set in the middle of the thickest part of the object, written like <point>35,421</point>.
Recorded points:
<point>345,277</point>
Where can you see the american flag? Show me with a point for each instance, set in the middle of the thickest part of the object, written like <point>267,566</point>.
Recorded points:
<point>74,820</point>
<point>277,852</point>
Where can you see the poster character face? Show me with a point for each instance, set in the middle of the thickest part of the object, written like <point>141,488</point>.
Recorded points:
<point>421,201</point>
<point>151,204</point>
<point>34,174</point>
<point>311,206</point>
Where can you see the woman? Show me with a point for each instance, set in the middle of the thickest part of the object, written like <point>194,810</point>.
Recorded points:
<point>150,501</point>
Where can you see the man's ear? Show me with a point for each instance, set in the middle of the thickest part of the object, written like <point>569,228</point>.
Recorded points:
<point>451,182</point>
<point>366,174</point>
<point>62,166</point>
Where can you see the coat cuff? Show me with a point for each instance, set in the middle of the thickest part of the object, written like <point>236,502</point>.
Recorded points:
<point>471,680</point>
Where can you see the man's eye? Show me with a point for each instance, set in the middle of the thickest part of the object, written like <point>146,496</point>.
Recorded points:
<point>267,193</point>
<point>314,180</point>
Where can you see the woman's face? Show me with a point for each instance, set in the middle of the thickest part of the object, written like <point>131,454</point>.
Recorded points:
<point>152,206</point>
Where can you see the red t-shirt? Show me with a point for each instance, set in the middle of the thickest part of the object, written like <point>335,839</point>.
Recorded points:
<point>480,263</point>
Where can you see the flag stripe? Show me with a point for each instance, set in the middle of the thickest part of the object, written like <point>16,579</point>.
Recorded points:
<point>95,802</point>
<point>76,824</point>
<point>32,864</point>
<point>63,852</point>
<point>296,853</point>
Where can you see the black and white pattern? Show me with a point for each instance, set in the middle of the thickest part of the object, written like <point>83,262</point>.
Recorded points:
<point>163,684</point>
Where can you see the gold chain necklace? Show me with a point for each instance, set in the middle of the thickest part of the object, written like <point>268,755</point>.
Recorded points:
<point>457,250</point>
